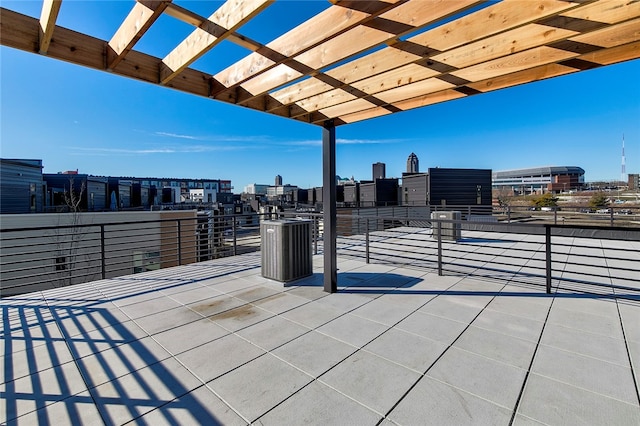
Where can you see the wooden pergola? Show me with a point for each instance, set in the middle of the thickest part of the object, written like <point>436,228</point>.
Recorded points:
<point>355,60</point>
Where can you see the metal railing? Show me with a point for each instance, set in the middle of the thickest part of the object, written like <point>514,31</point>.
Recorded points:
<point>593,259</point>
<point>580,258</point>
<point>36,258</point>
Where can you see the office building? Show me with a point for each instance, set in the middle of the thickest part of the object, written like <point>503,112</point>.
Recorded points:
<point>412,164</point>
<point>21,186</point>
<point>539,179</point>
<point>379,171</point>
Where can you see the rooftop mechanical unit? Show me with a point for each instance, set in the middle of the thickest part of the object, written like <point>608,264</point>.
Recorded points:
<point>451,231</point>
<point>286,249</point>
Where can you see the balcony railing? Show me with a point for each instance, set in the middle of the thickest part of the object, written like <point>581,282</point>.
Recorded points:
<point>548,254</point>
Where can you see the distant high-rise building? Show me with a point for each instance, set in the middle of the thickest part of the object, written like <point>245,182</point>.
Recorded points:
<point>412,163</point>
<point>278,180</point>
<point>379,171</point>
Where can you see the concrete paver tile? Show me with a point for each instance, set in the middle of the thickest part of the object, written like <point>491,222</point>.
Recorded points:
<point>374,382</point>
<point>552,402</point>
<point>218,357</point>
<point>494,381</point>
<point>259,385</point>
<point>128,397</point>
<point>199,407</point>
<point>272,332</point>
<point>433,327</point>
<point>353,330</point>
<point>314,353</point>
<point>602,377</point>
<point>500,347</point>
<point>407,349</point>
<point>322,405</point>
<point>432,402</point>
<point>188,336</point>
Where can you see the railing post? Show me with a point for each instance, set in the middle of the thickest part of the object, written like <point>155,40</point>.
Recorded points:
<point>103,263</point>
<point>366,240</point>
<point>179,242</point>
<point>555,215</point>
<point>235,239</point>
<point>611,214</point>
<point>547,244</point>
<point>439,247</point>
<point>315,235</point>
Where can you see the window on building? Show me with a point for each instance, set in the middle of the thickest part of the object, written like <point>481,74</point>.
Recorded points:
<point>61,263</point>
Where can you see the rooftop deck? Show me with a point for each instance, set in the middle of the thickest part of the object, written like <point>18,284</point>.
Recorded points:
<point>214,342</point>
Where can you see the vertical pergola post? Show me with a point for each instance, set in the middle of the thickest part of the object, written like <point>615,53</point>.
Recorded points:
<point>329,206</point>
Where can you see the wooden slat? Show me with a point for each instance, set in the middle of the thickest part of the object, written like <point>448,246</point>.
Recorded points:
<point>514,41</point>
<point>417,13</point>
<point>190,17</point>
<point>330,22</point>
<point>365,115</point>
<point>399,77</point>
<point>276,75</point>
<point>138,21</point>
<point>433,98</point>
<point>609,11</point>
<point>521,77</point>
<point>48,17</point>
<point>222,23</point>
<point>615,35</point>
<point>347,107</point>
<point>333,97</point>
<point>513,63</point>
<point>408,91</point>
<point>303,90</point>
<point>489,21</point>
<point>614,55</point>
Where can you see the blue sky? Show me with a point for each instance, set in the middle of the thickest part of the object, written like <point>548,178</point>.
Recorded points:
<point>101,124</point>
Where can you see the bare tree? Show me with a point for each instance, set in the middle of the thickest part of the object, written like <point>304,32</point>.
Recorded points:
<point>68,253</point>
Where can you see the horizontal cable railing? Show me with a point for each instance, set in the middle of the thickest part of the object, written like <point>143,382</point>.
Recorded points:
<point>572,257</point>
<point>601,259</point>
<point>36,258</point>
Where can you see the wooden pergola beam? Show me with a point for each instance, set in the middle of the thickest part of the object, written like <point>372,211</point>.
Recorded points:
<point>48,17</point>
<point>326,25</point>
<point>501,45</point>
<point>373,30</point>
<point>461,64</point>
<point>377,72</point>
<point>142,16</point>
<point>221,24</point>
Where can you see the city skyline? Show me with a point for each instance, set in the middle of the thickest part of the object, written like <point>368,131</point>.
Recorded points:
<point>101,124</point>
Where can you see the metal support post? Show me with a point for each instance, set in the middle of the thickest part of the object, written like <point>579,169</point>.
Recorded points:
<point>547,243</point>
<point>179,243</point>
<point>235,238</point>
<point>103,263</point>
<point>367,239</point>
<point>329,206</point>
<point>439,247</point>
<point>315,235</point>
<point>611,214</point>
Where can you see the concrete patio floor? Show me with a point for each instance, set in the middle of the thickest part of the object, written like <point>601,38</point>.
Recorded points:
<point>216,343</point>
